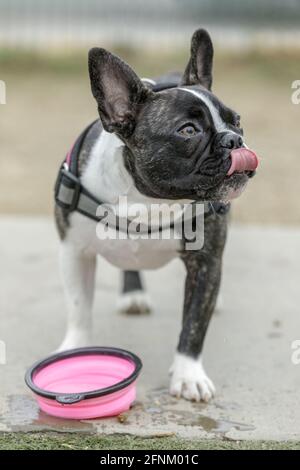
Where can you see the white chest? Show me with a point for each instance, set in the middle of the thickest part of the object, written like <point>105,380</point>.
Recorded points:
<point>125,253</point>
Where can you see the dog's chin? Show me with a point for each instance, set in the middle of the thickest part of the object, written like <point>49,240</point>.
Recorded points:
<point>230,188</point>
<point>234,193</point>
<point>233,186</point>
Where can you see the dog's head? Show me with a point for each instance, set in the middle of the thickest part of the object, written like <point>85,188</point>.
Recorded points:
<point>182,142</point>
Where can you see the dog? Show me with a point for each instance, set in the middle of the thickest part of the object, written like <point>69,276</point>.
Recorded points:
<point>177,143</point>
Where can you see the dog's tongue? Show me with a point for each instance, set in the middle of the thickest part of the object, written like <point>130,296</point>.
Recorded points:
<point>242,159</point>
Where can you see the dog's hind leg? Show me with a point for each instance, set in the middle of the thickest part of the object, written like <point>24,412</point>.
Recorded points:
<point>78,275</point>
<point>133,299</point>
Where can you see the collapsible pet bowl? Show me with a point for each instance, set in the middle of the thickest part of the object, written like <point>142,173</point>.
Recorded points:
<point>86,382</point>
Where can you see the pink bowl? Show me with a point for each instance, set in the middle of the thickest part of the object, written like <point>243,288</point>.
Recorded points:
<point>86,382</point>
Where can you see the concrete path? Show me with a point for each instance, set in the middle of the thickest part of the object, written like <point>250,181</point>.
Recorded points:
<point>248,348</point>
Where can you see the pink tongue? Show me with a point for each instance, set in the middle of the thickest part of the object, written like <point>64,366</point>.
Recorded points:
<point>242,159</point>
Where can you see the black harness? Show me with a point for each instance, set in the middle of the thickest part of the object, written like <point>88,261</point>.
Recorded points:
<point>72,196</point>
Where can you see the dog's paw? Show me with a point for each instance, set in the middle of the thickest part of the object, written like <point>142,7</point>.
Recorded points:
<point>189,380</point>
<point>74,339</point>
<point>134,303</point>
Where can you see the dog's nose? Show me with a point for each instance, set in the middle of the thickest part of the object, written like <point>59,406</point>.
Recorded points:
<point>229,140</point>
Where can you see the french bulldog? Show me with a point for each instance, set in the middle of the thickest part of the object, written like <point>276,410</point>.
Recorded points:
<point>179,144</point>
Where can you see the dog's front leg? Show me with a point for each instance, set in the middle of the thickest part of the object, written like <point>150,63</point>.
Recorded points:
<point>78,275</point>
<point>189,378</point>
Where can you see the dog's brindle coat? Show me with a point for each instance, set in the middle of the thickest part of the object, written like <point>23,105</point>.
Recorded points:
<point>166,146</point>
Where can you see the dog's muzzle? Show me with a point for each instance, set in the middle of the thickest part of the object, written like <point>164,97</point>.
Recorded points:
<point>242,158</point>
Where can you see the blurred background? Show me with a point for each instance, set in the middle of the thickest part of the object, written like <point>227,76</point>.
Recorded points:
<point>43,62</point>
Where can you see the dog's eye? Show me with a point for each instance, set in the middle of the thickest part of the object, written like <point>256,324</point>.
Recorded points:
<point>238,122</point>
<point>188,130</point>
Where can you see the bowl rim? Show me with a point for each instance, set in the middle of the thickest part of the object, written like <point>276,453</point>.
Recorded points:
<point>70,398</point>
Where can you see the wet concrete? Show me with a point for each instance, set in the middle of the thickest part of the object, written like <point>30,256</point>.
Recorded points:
<point>161,414</point>
<point>247,354</point>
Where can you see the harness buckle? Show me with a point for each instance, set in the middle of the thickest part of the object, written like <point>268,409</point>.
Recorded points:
<point>69,181</point>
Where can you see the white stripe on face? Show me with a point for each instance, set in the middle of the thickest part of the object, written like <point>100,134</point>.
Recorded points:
<point>219,124</point>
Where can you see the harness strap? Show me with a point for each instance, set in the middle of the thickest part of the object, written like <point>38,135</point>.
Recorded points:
<point>72,156</point>
<point>72,196</point>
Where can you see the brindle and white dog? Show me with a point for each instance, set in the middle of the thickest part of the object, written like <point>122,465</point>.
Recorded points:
<point>179,144</point>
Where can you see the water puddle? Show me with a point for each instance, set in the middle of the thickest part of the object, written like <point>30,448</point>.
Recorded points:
<point>208,424</point>
<point>161,404</point>
<point>24,414</point>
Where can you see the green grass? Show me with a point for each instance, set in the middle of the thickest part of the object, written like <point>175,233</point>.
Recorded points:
<point>63,441</point>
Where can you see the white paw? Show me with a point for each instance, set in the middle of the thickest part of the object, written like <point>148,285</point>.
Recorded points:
<point>74,339</point>
<point>189,379</point>
<point>134,303</point>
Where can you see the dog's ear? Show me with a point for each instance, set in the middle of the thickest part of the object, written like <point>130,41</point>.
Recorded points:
<point>199,68</point>
<point>117,89</point>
